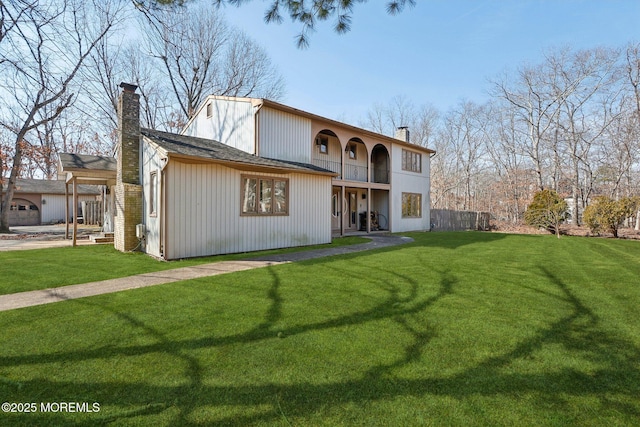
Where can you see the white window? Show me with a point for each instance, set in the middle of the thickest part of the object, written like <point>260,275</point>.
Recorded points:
<point>153,193</point>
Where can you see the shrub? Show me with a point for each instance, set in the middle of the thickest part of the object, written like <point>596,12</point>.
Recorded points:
<point>547,210</point>
<point>606,214</point>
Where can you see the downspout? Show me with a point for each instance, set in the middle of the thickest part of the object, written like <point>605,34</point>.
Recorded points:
<point>162,209</point>
<point>431,156</point>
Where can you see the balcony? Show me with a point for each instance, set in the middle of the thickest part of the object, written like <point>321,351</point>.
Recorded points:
<point>355,173</point>
<point>329,165</point>
<point>380,174</point>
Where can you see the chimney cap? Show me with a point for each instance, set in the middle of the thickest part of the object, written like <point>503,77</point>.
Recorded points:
<point>128,87</point>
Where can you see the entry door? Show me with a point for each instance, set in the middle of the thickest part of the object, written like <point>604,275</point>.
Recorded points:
<point>352,210</point>
<point>336,209</point>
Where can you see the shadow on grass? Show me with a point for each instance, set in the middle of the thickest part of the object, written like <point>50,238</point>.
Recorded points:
<point>455,239</point>
<point>578,331</point>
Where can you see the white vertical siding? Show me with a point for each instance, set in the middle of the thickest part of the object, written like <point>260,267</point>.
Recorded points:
<point>151,162</point>
<point>53,208</point>
<point>203,213</point>
<point>284,136</point>
<point>408,182</point>
<point>231,122</point>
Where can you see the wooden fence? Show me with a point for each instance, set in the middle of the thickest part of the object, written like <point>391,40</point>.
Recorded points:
<point>92,212</point>
<point>448,220</point>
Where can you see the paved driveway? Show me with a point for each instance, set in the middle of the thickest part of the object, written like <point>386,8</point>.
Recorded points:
<point>42,236</point>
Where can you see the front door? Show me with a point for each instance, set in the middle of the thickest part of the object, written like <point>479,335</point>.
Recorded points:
<point>336,209</point>
<point>352,211</point>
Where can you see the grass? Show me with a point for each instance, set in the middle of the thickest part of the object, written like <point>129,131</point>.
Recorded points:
<point>47,268</point>
<point>453,329</point>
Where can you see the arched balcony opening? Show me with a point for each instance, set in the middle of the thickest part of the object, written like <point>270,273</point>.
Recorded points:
<point>326,152</point>
<point>380,164</point>
<point>355,163</point>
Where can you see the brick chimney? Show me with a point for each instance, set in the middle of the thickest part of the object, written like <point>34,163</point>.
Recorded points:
<point>402,133</point>
<point>128,135</point>
<point>128,191</point>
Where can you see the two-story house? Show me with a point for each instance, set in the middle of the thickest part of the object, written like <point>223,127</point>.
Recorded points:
<point>251,174</point>
<point>377,177</point>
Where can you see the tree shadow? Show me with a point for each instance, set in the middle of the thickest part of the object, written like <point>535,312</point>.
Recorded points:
<point>456,239</point>
<point>578,331</point>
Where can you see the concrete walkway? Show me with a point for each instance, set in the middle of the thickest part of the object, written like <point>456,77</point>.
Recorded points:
<point>47,296</point>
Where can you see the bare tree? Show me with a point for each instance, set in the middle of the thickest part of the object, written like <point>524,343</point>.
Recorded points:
<point>585,85</point>
<point>41,55</point>
<point>632,68</point>
<point>509,163</point>
<point>201,55</point>
<point>536,107</point>
<point>422,121</point>
<point>466,132</point>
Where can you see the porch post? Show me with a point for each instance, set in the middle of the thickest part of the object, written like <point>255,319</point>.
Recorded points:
<point>75,210</point>
<point>343,211</point>
<point>369,210</point>
<point>66,210</point>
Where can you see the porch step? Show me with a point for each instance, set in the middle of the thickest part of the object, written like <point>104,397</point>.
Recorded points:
<point>101,238</point>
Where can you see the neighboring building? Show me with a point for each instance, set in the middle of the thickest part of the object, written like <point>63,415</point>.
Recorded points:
<point>38,201</point>
<point>252,174</point>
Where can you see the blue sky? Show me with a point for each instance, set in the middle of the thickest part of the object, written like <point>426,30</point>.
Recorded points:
<point>439,52</point>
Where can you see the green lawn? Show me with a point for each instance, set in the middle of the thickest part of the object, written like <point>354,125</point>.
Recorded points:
<point>47,268</point>
<point>454,329</point>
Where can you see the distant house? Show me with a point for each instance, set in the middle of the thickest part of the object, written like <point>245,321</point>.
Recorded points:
<point>38,201</point>
<point>251,174</point>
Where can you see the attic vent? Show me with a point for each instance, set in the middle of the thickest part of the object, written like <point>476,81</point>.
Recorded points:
<point>209,110</point>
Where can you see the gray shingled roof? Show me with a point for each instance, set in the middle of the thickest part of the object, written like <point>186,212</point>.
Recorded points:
<point>85,161</point>
<point>43,186</point>
<point>214,150</point>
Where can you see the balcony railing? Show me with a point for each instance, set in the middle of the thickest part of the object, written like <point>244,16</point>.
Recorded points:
<point>355,173</point>
<point>329,165</point>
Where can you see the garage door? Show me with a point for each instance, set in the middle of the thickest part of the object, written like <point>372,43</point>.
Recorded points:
<point>23,212</point>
